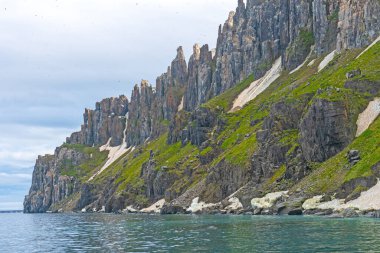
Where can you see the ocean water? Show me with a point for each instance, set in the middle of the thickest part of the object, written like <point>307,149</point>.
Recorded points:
<point>185,233</point>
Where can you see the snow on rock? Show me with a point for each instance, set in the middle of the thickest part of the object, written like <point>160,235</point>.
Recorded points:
<point>312,203</point>
<point>180,106</point>
<point>197,206</point>
<point>114,152</point>
<point>155,208</point>
<point>306,60</point>
<point>130,209</point>
<point>368,116</point>
<point>373,43</point>
<point>368,200</point>
<point>311,63</point>
<point>234,205</point>
<point>326,60</point>
<point>268,200</point>
<point>258,86</point>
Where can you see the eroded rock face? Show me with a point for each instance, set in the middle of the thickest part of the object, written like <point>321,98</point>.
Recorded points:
<point>359,23</point>
<point>139,127</point>
<point>273,150</point>
<point>157,181</point>
<point>254,36</point>
<point>326,130</point>
<point>48,185</point>
<point>105,122</point>
<point>200,78</point>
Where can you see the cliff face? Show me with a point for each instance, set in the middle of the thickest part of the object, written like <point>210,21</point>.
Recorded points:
<point>48,185</point>
<point>108,120</point>
<point>185,143</point>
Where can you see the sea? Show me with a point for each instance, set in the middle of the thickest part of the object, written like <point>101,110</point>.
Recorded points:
<point>185,233</point>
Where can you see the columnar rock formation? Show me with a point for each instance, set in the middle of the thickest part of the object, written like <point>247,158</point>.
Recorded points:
<point>105,122</point>
<point>251,39</point>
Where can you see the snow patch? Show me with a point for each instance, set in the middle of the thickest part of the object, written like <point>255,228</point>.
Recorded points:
<point>258,86</point>
<point>114,152</point>
<point>197,206</point>
<point>311,63</point>
<point>180,106</point>
<point>234,205</point>
<point>268,200</point>
<point>155,208</point>
<point>368,200</point>
<point>302,64</point>
<point>373,43</point>
<point>326,60</point>
<point>368,116</point>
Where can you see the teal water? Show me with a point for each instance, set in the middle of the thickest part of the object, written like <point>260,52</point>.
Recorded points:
<point>139,233</point>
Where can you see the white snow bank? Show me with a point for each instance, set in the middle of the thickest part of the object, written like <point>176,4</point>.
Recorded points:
<point>311,63</point>
<point>268,200</point>
<point>234,205</point>
<point>155,208</point>
<point>258,86</point>
<point>197,206</point>
<point>114,152</point>
<point>306,60</point>
<point>368,116</point>
<point>368,200</point>
<point>326,60</point>
<point>373,43</point>
<point>180,106</point>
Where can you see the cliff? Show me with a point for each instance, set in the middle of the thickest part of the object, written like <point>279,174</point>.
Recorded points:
<point>184,141</point>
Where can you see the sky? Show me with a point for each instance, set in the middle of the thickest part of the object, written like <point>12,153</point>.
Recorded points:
<point>58,57</point>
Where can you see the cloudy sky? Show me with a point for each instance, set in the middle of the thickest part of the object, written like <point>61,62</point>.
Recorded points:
<point>59,56</point>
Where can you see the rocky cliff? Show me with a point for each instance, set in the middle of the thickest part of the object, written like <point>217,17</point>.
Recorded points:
<point>179,140</point>
<point>108,120</point>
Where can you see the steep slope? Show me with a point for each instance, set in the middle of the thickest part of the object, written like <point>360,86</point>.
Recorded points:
<point>183,140</point>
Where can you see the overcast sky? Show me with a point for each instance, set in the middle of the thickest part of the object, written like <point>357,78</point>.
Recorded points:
<point>59,56</point>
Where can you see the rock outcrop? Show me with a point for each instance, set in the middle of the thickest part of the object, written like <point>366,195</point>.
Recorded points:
<point>49,186</point>
<point>107,121</point>
<point>139,127</point>
<point>293,132</point>
<point>326,130</point>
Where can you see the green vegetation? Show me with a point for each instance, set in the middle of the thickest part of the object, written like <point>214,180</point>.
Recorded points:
<point>330,175</point>
<point>235,142</point>
<point>89,167</point>
<point>307,38</point>
<point>225,100</point>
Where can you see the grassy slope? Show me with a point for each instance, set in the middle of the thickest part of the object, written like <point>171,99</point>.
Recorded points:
<point>237,141</point>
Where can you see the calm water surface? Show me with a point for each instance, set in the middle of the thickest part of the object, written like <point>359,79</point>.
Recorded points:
<point>143,233</point>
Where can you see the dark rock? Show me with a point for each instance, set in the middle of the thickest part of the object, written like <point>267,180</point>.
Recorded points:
<point>295,212</point>
<point>349,213</point>
<point>363,86</point>
<point>326,130</point>
<point>171,209</point>
<point>353,73</point>
<point>107,121</point>
<point>353,157</point>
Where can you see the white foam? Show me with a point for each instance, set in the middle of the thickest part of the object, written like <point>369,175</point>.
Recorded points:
<point>258,86</point>
<point>368,116</point>
<point>326,60</point>
<point>373,43</point>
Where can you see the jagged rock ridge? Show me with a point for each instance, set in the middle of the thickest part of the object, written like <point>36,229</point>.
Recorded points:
<point>250,40</point>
